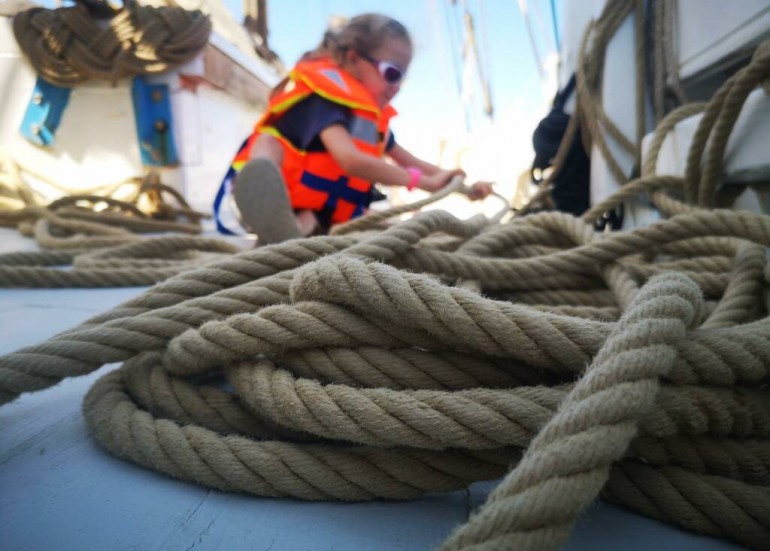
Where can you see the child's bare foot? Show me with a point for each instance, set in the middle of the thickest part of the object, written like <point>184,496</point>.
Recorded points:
<point>307,222</point>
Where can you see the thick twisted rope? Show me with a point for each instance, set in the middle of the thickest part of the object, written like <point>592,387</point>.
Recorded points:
<point>100,242</point>
<point>150,329</point>
<point>718,415</point>
<point>128,262</point>
<point>354,379</point>
<point>341,316</point>
<point>374,219</point>
<point>67,46</point>
<point>568,463</point>
<point>480,418</point>
<point>716,126</point>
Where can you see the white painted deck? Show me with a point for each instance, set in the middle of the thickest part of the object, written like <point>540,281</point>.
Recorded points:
<point>60,491</point>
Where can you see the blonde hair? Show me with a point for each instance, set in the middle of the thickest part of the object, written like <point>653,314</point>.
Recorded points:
<point>363,33</point>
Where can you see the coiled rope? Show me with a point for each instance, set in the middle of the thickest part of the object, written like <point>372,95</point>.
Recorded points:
<point>633,365</point>
<point>345,349</point>
<point>337,347</point>
<point>98,236</point>
<point>67,46</point>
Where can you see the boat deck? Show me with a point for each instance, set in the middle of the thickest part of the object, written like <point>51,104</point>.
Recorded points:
<point>61,491</point>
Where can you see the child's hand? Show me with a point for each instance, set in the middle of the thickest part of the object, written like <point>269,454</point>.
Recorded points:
<point>479,190</point>
<point>436,181</point>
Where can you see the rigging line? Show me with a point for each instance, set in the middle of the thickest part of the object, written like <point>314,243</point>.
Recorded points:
<point>548,41</point>
<point>469,63</point>
<point>473,51</point>
<point>533,43</point>
<point>453,50</point>
<point>486,58</point>
<point>459,37</point>
<point>556,36</point>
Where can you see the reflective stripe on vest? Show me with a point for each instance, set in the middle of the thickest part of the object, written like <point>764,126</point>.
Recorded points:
<point>364,130</point>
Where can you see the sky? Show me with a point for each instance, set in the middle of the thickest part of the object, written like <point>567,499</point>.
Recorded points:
<point>430,104</point>
<point>441,117</point>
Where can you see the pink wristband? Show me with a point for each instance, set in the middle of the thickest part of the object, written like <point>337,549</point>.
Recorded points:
<point>415,175</point>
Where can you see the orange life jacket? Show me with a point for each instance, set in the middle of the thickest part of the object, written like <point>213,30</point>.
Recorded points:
<point>314,179</point>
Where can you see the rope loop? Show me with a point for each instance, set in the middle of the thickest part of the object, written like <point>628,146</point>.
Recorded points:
<point>436,352</point>
<point>68,46</point>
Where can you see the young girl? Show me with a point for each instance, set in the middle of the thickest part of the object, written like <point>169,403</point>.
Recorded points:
<point>313,156</point>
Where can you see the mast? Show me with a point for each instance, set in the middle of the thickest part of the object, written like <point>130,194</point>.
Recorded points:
<point>472,49</point>
<point>255,22</point>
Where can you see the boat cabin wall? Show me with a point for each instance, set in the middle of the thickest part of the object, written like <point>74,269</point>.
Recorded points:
<point>215,100</point>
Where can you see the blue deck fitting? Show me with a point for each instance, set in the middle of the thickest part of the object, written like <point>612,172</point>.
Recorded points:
<point>44,112</point>
<point>152,112</point>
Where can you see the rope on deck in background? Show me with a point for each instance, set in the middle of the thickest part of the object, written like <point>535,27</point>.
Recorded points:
<point>86,223</point>
<point>704,164</point>
<point>68,46</point>
<point>589,116</point>
<point>632,366</point>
